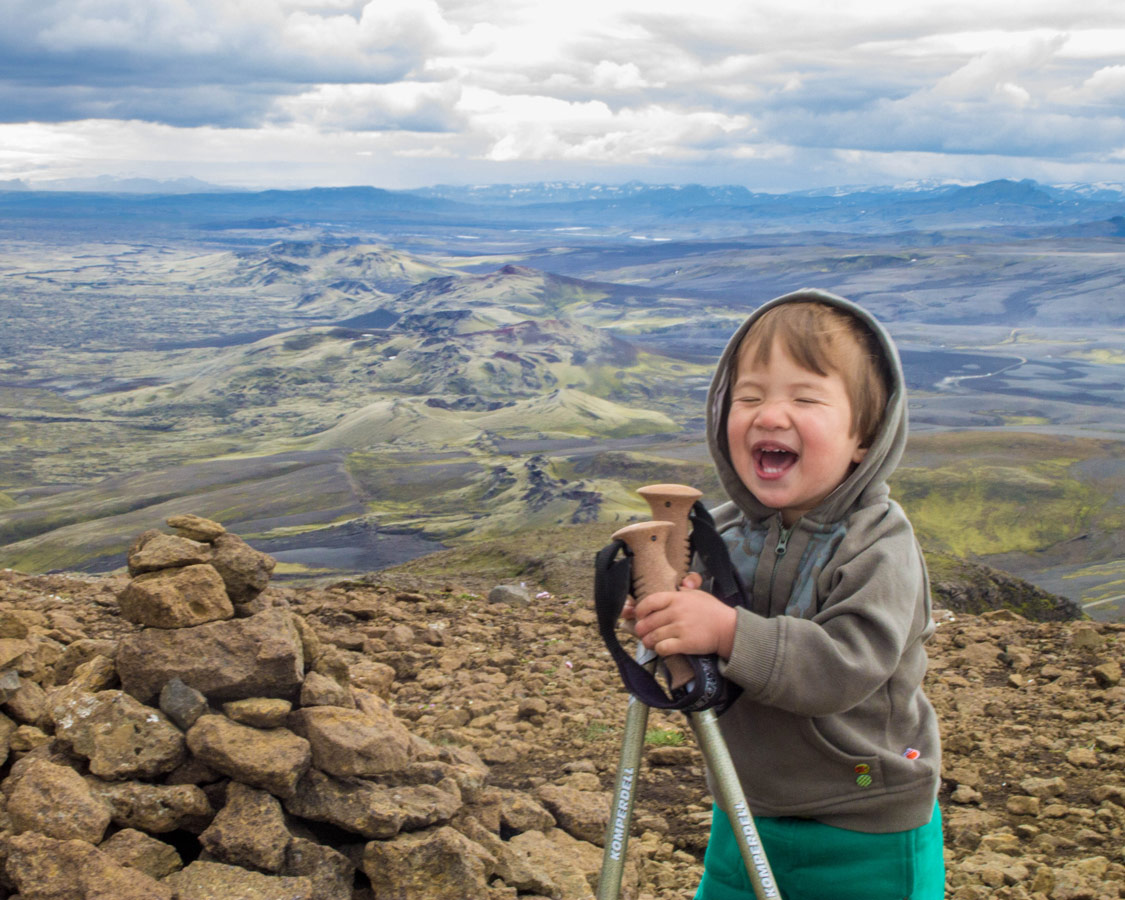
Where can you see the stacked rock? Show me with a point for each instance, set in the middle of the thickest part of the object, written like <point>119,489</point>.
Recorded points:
<point>221,734</point>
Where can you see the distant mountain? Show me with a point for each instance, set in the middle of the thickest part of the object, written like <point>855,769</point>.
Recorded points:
<point>576,192</point>
<point>110,184</point>
<point>552,213</point>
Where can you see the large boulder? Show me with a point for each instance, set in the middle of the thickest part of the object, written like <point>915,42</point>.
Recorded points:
<point>369,809</point>
<point>153,808</point>
<point>583,814</point>
<point>272,759</point>
<point>122,738</point>
<point>249,830</point>
<point>438,864</point>
<point>137,850</point>
<point>245,571</point>
<point>154,550</point>
<point>55,801</point>
<point>260,656</point>
<point>353,742</point>
<point>572,865</point>
<point>332,874</point>
<point>211,880</point>
<point>176,598</point>
<point>195,528</point>
<point>44,868</point>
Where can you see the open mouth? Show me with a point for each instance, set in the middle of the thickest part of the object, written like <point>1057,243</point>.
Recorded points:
<point>773,462</point>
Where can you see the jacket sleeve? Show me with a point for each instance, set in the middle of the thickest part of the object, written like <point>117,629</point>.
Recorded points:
<point>875,606</point>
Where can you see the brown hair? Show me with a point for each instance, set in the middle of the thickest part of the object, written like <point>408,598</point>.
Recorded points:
<point>823,339</point>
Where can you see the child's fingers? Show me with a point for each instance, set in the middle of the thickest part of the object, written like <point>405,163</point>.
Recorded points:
<point>654,603</point>
<point>692,582</point>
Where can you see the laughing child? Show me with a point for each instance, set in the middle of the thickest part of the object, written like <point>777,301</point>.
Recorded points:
<point>835,744</point>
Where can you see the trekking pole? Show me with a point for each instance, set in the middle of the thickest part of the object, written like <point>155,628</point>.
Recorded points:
<point>647,539</point>
<point>656,542</point>
<point>672,503</point>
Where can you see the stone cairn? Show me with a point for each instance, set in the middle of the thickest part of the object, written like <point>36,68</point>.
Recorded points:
<point>220,751</point>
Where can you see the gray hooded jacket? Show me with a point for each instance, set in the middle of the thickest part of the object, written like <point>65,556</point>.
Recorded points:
<point>832,723</point>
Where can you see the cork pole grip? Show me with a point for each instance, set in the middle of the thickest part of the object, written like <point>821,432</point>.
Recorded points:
<point>651,573</point>
<point>672,503</point>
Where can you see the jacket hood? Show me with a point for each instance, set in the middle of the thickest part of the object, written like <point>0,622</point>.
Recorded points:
<point>868,478</point>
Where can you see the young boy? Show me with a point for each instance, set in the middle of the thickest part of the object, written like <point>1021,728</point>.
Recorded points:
<point>835,744</point>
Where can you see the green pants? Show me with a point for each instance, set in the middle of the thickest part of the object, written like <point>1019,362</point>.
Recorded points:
<point>813,861</point>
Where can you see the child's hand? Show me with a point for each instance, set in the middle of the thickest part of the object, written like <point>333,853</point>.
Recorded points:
<point>687,621</point>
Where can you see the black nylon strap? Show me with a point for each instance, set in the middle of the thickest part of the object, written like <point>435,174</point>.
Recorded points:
<point>707,689</point>
<point>708,544</point>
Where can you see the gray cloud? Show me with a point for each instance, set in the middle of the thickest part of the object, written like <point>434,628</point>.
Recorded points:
<point>621,85</point>
<point>197,63</point>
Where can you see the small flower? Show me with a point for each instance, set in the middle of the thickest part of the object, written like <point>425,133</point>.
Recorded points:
<point>569,664</point>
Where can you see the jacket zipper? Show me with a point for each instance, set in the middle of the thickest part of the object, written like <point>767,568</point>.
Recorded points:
<point>779,551</point>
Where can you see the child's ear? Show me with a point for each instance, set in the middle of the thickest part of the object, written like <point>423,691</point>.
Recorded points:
<point>860,453</point>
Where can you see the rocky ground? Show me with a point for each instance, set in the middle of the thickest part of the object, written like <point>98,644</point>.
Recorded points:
<point>512,716</point>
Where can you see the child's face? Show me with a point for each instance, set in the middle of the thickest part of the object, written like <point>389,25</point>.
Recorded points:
<point>789,433</point>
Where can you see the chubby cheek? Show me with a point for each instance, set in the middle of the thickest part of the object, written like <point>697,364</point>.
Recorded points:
<point>736,443</point>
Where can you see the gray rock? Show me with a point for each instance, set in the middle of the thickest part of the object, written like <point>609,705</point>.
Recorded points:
<point>9,684</point>
<point>182,704</point>
<point>511,594</point>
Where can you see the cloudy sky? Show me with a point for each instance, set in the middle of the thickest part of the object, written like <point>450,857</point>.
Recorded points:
<point>771,94</point>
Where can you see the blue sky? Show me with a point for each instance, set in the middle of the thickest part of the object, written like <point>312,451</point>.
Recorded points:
<point>404,93</point>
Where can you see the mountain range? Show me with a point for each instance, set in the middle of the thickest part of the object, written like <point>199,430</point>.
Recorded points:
<point>685,210</point>
<point>353,376</point>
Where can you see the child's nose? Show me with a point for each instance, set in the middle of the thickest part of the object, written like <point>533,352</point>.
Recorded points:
<point>773,414</point>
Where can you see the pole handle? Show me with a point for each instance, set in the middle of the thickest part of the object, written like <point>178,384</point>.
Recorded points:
<point>652,572</point>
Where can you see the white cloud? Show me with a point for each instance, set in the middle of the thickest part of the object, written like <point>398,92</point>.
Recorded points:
<point>997,69</point>
<point>405,106</point>
<point>1105,86</point>
<point>609,75</point>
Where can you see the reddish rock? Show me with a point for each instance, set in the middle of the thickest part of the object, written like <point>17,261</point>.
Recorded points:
<point>43,868</point>
<point>176,598</point>
<point>260,656</point>
<point>272,759</point>
<point>55,801</point>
